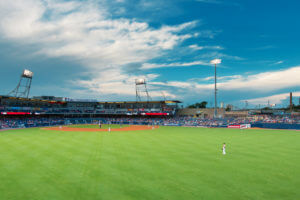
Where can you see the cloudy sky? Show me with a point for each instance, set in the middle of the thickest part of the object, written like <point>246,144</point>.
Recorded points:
<point>97,48</point>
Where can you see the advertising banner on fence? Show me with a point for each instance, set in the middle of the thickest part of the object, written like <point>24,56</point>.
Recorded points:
<point>234,126</point>
<point>241,126</point>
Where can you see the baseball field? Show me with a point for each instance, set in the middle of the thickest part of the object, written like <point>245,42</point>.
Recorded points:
<point>161,163</point>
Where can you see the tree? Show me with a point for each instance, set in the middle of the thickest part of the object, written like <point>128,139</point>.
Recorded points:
<point>228,107</point>
<point>266,108</point>
<point>199,105</point>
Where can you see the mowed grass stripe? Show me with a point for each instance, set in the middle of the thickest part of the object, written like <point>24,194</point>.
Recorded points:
<point>165,163</point>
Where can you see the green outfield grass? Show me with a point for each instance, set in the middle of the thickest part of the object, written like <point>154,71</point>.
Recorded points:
<point>166,163</point>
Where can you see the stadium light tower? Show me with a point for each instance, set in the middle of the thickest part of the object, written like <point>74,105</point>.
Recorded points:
<point>215,62</point>
<point>23,87</point>
<point>140,88</point>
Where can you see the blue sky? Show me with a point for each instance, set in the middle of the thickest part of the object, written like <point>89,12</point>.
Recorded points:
<point>96,49</point>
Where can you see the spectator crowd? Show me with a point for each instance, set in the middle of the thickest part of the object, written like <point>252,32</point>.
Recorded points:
<point>6,123</point>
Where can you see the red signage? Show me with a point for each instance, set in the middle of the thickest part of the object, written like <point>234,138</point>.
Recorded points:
<point>156,114</point>
<point>234,126</point>
<point>15,113</point>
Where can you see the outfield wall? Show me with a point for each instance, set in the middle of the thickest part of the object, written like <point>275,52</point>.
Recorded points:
<point>276,126</point>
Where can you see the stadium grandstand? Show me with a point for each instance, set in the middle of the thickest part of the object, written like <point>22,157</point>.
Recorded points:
<point>66,107</point>
<point>17,112</point>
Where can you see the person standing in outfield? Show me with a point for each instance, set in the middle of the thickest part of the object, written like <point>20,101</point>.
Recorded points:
<point>99,124</point>
<point>224,149</point>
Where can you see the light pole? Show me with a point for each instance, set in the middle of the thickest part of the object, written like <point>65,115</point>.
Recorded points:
<point>215,62</point>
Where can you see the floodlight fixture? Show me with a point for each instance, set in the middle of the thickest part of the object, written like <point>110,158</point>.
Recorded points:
<point>216,61</point>
<point>140,81</point>
<point>27,73</point>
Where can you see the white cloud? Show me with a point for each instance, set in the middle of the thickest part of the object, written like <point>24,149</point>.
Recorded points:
<point>274,99</point>
<point>216,54</point>
<point>266,81</point>
<point>184,85</point>
<point>84,32</point>
<point>187,64</point>
<point>219,78</point>
<point>279,62</point>
<point>61,7</point>
<point>113,82</point>
<point>261,82</point>
<point>196,47</point>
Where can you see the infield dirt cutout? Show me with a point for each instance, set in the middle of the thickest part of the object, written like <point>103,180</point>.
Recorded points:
<point>129,128</point>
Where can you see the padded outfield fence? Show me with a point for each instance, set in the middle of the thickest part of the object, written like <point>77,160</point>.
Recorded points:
<point>276,126</point>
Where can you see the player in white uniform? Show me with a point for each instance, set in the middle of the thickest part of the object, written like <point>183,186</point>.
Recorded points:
<point>99,124</point>
<point>224,149</point>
